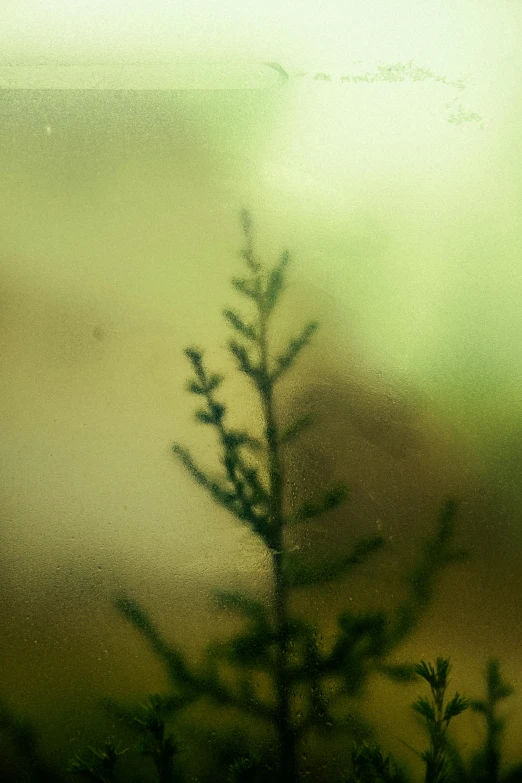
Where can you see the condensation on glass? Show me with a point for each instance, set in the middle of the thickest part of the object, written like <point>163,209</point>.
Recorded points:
<point>261,367</point>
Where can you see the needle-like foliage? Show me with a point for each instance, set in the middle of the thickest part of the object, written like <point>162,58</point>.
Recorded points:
<point>437,714</point>
<point>285,675</point>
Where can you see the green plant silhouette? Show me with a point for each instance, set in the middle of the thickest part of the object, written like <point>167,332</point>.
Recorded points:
<point>437,714</point>
<point>443,760</point>
<point>99,764</point>
<point>309,684</point>
<point>486,765</point>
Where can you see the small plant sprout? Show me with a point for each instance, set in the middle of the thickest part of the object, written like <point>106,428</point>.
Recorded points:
<point>437,715</point>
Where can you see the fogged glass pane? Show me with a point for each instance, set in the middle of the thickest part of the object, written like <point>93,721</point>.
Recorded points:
<point>261,365</point>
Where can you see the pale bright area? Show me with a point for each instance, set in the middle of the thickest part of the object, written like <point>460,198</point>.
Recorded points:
<point>399,199</point>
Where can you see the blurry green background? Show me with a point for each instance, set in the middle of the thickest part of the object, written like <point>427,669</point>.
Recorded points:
<point>400,203</point>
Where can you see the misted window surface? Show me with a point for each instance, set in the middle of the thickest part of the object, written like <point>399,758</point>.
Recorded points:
<point>262,408</point>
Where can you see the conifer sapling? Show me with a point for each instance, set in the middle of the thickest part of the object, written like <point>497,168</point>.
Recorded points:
<point>310,683</point>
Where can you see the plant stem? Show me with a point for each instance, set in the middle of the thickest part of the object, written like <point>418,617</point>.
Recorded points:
<point>287,756</point>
